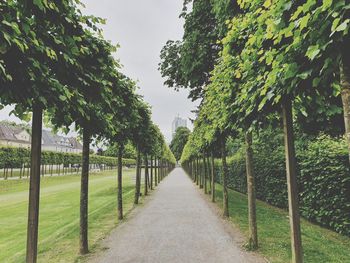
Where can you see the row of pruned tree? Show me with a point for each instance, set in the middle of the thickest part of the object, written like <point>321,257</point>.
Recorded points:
<point>54,61</point>
<point>255,63</point>
<point>52,162</point>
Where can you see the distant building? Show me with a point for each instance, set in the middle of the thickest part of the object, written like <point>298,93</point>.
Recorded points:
<point>17,136</point>
<point>14,136</point>
<point>56,143</point>
<point>178,122</point>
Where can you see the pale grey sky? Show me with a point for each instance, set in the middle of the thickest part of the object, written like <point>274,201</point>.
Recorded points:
<point>142,27</point>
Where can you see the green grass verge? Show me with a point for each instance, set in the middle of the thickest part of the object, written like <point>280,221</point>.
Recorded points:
<point>320,245</point>
<point>59,215</point>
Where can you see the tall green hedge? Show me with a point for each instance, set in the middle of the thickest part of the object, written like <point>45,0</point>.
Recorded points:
<point>15,157</point>
<point>323,178</point>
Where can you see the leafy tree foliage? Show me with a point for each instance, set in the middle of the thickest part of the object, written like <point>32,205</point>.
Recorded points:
<point>129,151</point>
<point>54,59</point>
<point>188,63</point>
<point>179,141</point>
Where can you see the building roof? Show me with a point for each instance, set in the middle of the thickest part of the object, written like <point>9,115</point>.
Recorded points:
<point>50,139</point>
<point>75,143</point>
<point>8,132</point>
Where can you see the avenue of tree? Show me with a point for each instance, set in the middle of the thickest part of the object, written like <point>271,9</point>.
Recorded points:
<point>55,62</point>
<point>258,64</point>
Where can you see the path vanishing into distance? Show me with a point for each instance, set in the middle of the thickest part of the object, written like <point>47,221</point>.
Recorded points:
<point>177,224</point>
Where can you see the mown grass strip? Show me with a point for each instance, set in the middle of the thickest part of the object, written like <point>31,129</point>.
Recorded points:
<point>59,215</point>
<point>320,245</point>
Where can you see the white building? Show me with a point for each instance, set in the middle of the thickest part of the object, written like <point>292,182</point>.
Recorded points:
<point>178,122</point>
<point>17,136</point>
<point>14,136</point>
<point>55,143</point>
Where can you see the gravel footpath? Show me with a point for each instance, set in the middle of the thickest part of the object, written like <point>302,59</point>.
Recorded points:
<point>175,225</point>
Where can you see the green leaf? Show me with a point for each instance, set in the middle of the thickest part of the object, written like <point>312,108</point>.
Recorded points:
<point>39,3</point>
<point>335,24</point>
<point>304,20</point>
<point>326,4</point>
<point>267,3</point>
<point>343,26</point>
<point>312,52</point>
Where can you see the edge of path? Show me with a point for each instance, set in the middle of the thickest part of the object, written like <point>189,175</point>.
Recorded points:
<point>230,227</point>
<point>101,246</point>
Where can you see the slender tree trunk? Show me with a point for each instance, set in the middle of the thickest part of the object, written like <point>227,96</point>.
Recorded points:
<point>224,178</point>
<point>208,174</point>
<point>253,231</point>
<point>146,175</point>
<point>200,173</point>
<point>197,172</point>
<point>212,179</point>
<point>34,188</point>
<point>120,181</point>
<point>138,175</point>
<point>205,174</point>
<point>159,170</point>
<point>345,91</point>
<point>151,168</point>
<point>155,172</point>
<point>194,171</point>
<point>294,217</point>
<point>84,194</point>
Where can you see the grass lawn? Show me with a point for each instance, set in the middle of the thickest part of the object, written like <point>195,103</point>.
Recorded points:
<point>59,215</point>
<point>320,245</point>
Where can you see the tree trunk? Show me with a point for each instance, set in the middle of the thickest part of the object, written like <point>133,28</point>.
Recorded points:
<point>205,175</point>
<point>194,171</point>
<point>84,193</point>
<point>146,175</point>
<point>138,178</point>
<point>34,188</point>
<point>208,173</point>
<point>151,168</point>
<point>345,92</point>
<point>120,181</point>
<point>212,179</point>
<point>294,217</point>
<point>155,172</point>
<point>224,178</point>
<point>253,231</point>
<point>197,172</point>
<point>159,171</point>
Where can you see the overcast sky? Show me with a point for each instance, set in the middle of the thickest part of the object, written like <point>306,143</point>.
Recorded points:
<point>142,28</point>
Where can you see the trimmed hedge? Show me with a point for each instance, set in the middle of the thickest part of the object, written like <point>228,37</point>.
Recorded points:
<point>323,178</point>
<point>11,157</point>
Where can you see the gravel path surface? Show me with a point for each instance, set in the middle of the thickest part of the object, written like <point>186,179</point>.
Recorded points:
<point>176,225</point>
